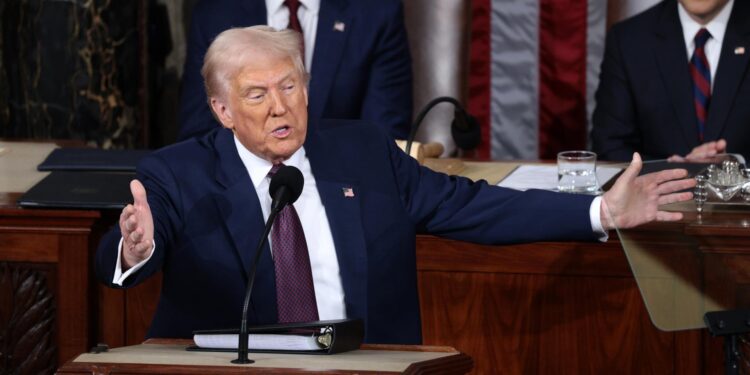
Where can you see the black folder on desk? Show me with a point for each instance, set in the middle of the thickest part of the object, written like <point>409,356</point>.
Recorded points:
<point>330,336</point>
<point>85,190</point>
<point>91,159</point>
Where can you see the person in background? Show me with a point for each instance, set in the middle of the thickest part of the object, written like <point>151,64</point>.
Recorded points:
<point>346,247</point>
<point>356,50</point>
<point>675,83</point>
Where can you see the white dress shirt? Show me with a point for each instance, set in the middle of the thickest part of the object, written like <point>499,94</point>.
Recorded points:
<point>717,27</point>
<point>329,290</point>
<point>278,18</point>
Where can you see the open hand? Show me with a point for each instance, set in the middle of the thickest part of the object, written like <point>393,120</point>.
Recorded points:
<point>702,152</point>
<point>136,227</point>
<point>635,200</point>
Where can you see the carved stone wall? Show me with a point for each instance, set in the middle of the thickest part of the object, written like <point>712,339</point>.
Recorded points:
<point>27,319</point>
<point>70,70</point>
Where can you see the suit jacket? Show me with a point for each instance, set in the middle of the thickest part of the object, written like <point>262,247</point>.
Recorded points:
<point>362,72</point>
<point>208,221</point>
<point>645,102</point>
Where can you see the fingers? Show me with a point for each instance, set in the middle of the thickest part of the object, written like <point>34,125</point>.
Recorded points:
<point>139,249</point>
<point>675,197</point>
<point>675,185</point>
<point>721,146</point>
<point>675,159</point>
<point>668,216</point>
<point>631,172</point>
<point>139,193</point>
<point>135,253</point>
<point>665,175</point>
<point>707,150</point>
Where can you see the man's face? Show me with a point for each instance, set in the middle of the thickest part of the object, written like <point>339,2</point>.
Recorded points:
<point>703,11</point>
<point>266,107</point>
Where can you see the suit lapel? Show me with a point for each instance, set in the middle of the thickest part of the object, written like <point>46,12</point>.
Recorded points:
<point>731,70</point>
<point>344,216</point>
<point>330,42</point>
<point>671,56</point>
<point>243,218</point>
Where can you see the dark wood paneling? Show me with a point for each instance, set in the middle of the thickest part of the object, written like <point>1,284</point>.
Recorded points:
<point>545,308</point>
<point>61,242</point>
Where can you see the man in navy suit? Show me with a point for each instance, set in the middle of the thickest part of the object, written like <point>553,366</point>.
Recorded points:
<point>356,50</point>
<point>657,96</point>
<point>200,206</point>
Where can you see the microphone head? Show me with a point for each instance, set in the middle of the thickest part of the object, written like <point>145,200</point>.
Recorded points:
<point>465,130</point>
<point>286,186</point>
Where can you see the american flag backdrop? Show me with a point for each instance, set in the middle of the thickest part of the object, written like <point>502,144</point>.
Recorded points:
<point>534,69</point>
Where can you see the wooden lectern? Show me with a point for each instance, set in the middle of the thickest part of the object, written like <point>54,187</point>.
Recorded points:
<point>170,357</point>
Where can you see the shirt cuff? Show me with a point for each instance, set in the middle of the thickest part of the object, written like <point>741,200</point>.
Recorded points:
<point>120,277</point>
<point>596,221</point>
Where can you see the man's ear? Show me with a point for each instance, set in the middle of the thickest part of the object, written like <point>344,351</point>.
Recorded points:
<point>221,112</point>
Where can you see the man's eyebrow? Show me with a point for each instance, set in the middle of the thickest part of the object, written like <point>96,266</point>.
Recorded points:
<point>285,78</point>
<point>251,87</point>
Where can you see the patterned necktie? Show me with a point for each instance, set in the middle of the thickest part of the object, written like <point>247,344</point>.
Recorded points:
<point>294,24</point>
<point>295,292</point>
<point>701,74</point>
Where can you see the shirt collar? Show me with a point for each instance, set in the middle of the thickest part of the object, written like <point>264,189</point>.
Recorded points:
<point>716,26</point>
<point>258,168</point>
<point>273,6</point>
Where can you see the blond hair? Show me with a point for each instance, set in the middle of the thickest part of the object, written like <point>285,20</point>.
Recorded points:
<point>233,48</point>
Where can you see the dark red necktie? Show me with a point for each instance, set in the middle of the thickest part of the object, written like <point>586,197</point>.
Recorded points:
<point>701,74</point>
<point>295,292</point>
<point>294,24</point>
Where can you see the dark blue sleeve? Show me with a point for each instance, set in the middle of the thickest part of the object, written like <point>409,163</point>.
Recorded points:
<point>458,208</point>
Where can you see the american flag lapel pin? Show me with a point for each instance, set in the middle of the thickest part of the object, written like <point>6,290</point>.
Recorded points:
<point>339,26</point>
<point>348,192</point>
<point>739,50</point>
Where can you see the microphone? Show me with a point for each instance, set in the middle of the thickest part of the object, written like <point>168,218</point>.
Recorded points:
<point>464,127</point>
<point>286,186</point>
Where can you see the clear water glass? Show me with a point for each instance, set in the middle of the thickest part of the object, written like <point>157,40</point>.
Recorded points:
<point>576,172</point>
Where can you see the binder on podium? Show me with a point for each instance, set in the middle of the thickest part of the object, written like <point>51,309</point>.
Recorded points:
<point>319,337</point>
<point>92,159</point>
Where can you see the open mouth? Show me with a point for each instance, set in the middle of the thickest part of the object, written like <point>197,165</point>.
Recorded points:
<point>282,131</point>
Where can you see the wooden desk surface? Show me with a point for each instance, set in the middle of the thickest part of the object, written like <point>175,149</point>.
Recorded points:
<point>170,356</point>
<point>18,161</point>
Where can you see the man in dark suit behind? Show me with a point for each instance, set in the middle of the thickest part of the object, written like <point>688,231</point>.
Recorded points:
<point>200,205</point>
<point>356,50</point>
<point>657,96</point>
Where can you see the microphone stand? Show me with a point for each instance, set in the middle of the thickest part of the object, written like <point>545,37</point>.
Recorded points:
<point>242,350</point>
<point>464,128</point>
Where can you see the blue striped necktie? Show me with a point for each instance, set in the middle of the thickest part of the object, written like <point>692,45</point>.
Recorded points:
<point>701,74</point>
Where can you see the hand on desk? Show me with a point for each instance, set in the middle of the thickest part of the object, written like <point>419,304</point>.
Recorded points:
<point>635,200</point>
<point>136,227</point>
<point>704,151</point>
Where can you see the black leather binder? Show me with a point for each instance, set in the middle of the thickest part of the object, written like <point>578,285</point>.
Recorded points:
<point>91,159</point>
<point>85,190</point>
<point>333,336</point>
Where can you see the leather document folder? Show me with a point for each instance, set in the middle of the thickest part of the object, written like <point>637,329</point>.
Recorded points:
<point>91,159</point>
<point>84,190</point>
<point>327,337</point>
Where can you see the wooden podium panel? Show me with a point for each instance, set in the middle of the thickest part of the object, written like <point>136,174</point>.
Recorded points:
<point>545,308</point>
<point>170,357</point>
<point>47,313</point>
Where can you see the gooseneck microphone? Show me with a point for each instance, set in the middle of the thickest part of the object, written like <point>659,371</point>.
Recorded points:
<point>464,128</point>
<point>286,186</point>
